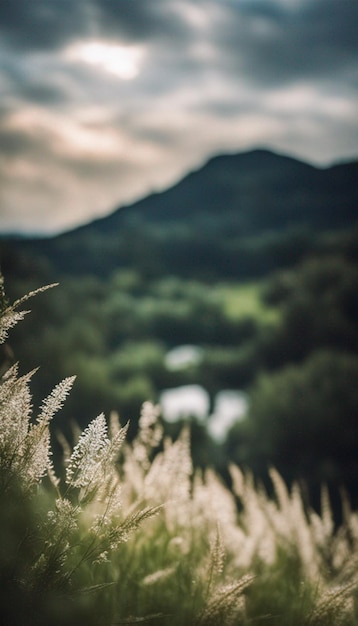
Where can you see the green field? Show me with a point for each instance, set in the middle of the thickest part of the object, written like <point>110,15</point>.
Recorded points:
<point>244,300</point>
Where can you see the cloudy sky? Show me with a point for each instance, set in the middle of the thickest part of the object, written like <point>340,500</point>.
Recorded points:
<point>104,101</point>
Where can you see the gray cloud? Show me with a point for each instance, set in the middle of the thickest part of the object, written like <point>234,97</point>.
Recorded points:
<point>49,24</point>
<point>141,20</point>
<point>273,42</point>
<point>44,24</point>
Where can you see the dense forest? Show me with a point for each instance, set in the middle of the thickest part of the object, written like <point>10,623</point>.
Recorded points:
<point>254,260</point>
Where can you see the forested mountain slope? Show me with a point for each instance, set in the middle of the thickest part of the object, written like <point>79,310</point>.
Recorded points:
<point>239,216</point>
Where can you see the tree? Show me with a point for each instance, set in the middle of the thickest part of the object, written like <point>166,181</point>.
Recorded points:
<point>303,420</point>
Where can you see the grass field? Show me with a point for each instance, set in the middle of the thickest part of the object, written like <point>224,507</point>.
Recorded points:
<point>244,300</point>
<point>129,533</point>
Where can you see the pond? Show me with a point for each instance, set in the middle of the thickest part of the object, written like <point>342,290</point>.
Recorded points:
<point>182,357</point>
<point>185,401</point>
<point>230,406</point>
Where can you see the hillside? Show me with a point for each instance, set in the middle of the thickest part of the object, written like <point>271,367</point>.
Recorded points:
<point>239,215</point>
<point>257,189</point>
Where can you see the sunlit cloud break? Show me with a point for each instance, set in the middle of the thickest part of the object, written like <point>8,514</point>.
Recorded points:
<point>121,61</point>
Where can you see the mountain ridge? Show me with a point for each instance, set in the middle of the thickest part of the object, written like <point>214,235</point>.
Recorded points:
<point>242,158</point>
<point>252,169</point>
<point>215,219</point>
<point>219,158</point>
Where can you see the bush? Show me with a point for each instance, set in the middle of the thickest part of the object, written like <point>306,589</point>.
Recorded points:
<point>302,419</point>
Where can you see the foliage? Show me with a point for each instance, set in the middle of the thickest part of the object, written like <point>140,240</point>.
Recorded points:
<point>319,308</point>
<point>304,402</point>
<point>115,333</point>
<point>133,533</point>
<point>244,300</point>
<point>303,420</point>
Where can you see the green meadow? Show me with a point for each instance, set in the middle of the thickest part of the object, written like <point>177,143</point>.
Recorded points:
<point>242,300</point>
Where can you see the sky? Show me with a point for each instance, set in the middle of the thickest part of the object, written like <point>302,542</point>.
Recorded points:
<point>106,101</point>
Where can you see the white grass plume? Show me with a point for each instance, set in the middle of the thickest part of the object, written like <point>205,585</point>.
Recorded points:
<point>9,316</point>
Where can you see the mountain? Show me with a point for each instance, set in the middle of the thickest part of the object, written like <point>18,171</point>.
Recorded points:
<point>239,215</point>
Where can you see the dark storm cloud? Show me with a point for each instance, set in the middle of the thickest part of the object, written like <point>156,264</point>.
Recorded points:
<point>273,42</point>
<point>27,83</point>
<point>41,24</point>
<point>15,143</point>
<point>49,24</point>
<point>141,20</point>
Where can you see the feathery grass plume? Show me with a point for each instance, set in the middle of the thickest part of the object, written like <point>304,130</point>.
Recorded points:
<point>114,424</point>
<point>281,491</point>
<point>25,446</point>
<point>84,466</point>
<point>55,400</point>
<point>323,528</point>
<point>58,529</point>
<point>15,414</point>
<point>116,441</point>
<point>121,531</point>
<point>326,512</point>
<point>212,505</point>
<point>65,446</point>
<point>37,449</point>
<point>159,576</point>
<point>105,537</point>
<point>226,606</point>
<point>91,471</point>
<point>169,478</point>
<point>9,317</point>
<point>335,603</point>
<point>293,533</point>
<point>302,530</point>
<point>150,433</point>
<point>216,561</point>
<point>280,523</point>
<point>257,521</point>
<point>91,466</point>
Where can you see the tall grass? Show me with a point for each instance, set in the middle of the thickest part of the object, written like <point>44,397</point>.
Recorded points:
<point>131,533</point>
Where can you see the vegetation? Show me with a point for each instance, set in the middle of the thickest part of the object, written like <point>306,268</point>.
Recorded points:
<point>253,260</point>
<point>304,402</point>
<point>243,300</point>
<point>127,533</point>
<point>289,340</point>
